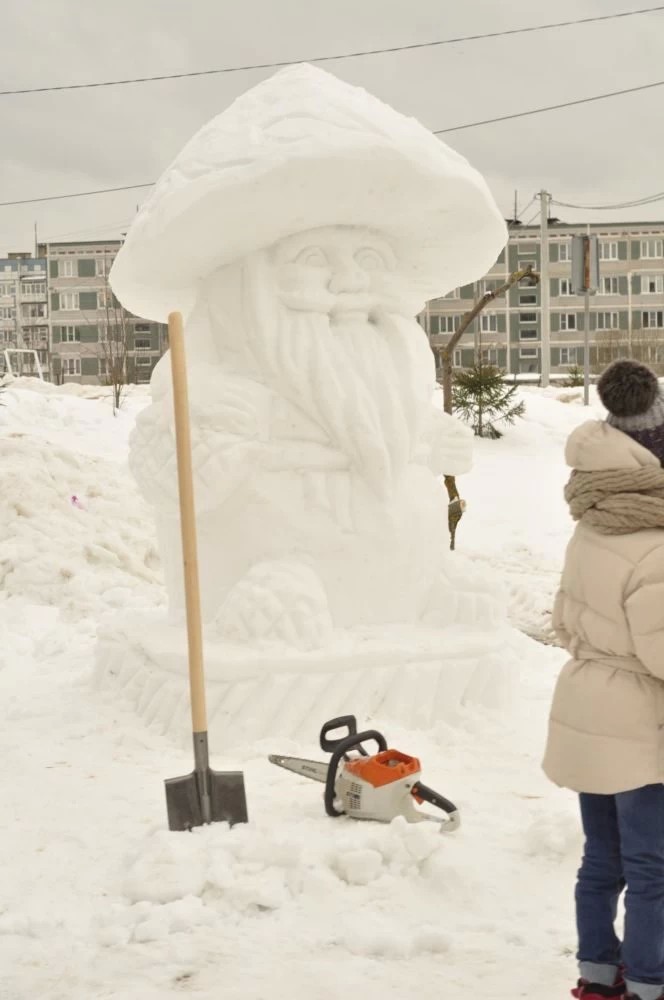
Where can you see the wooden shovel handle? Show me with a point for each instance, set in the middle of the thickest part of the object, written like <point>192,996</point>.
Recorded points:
<point>187,523</point>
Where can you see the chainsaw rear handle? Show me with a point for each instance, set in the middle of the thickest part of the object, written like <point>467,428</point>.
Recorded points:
<point>425,794</point>
<point>341,748</point>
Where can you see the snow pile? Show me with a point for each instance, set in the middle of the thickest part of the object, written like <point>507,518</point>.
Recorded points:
<point>72,532</point>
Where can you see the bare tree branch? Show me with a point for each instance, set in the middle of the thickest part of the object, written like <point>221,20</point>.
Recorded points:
<point>456,505</point>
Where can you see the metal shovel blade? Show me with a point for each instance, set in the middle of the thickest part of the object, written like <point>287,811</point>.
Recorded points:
<point>206,797</point>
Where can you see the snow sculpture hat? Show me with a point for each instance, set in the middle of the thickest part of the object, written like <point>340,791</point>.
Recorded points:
<point>299,151</point>
<point>632,395</point>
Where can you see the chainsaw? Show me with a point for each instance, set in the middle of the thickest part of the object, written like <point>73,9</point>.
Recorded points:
<point>377,786</point>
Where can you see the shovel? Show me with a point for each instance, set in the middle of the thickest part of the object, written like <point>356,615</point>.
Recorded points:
<point>204,796</point>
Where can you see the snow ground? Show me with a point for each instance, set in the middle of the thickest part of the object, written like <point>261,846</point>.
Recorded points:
<point>99,900</point>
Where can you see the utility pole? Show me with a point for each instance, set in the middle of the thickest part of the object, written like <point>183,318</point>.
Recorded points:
<point>545,318</point>
<point>585,279</point>
<point>587,275</point>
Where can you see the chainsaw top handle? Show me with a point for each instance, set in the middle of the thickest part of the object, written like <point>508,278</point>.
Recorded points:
<point>341,747</point>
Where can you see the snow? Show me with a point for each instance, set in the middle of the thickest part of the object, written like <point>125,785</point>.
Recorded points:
<point>99,900</point>
<point>302,150</point>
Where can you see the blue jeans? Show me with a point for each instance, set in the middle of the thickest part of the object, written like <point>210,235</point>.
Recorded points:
<point>624,848</point>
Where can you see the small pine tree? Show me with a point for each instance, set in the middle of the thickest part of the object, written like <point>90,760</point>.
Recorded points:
<point>574,376</point>
<point>482,399</point>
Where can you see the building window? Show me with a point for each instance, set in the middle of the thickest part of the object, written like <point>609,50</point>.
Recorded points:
<point>33,288</point>
<point>607,321</point>
<point>527,262</point>
<point>527,334</point>
<point>68,300</point>
<point>527,317</point>
<point>651,249</point>
<point>568,355</point>
<point>6,289</point>
<point>608,250</point>
<point>610,286</point>
<point>35,311</point>
<point>437,324</point>
<point>652,284</point>
<point>564,251</point>
<point>142,328</point>
<point>143,362</point>
<point>566,287</point>
<point>652,319</point>
<point>489,323</point>
<point>142,343</point>
<point>7,312</point>
<point>71,366</point>
<point>70,335</point>
<point>528,352</point>
<point>66,269</point>
<point>457,359</point>
<point>101,267</point>
<point>489,356</point>
<point>568,321</point>
<point>527,300</point>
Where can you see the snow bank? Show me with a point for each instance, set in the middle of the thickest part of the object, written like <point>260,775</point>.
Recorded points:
<point>73,532</point>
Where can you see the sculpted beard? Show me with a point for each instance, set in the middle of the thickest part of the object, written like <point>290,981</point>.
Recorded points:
<point>366,383</point>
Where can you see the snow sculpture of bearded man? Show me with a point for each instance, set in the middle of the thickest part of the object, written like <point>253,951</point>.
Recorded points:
<point>300,233</point>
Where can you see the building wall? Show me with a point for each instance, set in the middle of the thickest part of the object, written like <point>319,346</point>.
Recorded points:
<point>626,315</point>
<point>23,314</point>
<point>86,316</point>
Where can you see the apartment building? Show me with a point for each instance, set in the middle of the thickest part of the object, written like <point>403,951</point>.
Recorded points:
<point>24,325</point>
<point>626,314</point>
<point>87,320</point>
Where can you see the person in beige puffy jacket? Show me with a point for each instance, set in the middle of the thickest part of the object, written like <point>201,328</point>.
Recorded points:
<point>606,730</point>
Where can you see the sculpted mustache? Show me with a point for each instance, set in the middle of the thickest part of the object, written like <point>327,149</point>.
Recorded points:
<point>328,304</point>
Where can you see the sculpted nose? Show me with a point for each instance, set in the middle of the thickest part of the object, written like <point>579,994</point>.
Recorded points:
<point>349,278</point>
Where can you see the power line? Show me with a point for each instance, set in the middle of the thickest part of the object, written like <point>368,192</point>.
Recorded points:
<point>551,107</point>
<point>649,200</point>
<point>103,228</point>
<point>76,194</point>
<point>531,220</point>
<point>443,131</point>
<point>321,59</point>
<point>514,222</point>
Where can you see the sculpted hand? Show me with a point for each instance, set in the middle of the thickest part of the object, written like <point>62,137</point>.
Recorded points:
<point>229,428</point>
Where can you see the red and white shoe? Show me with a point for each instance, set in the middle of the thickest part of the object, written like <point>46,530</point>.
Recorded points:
<point>595,991</point>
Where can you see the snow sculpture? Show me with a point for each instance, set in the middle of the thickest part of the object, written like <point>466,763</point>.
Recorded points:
<point>300,232</point>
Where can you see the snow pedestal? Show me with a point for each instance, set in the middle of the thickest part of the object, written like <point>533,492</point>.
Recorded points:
<point>416,679</point>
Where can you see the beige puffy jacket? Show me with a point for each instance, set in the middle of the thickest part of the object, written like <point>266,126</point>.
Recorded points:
<point>606,731</point>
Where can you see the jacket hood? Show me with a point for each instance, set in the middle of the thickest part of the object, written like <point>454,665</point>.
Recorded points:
<point>596,446</point>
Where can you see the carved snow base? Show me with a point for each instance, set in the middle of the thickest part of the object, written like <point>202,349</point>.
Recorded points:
<point>415,678</point>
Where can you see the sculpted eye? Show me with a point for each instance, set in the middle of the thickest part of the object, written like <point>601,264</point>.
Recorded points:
<point>312,257</point>
<point>370,259</point>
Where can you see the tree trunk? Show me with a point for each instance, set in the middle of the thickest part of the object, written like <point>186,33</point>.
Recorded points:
<point>456,505</point>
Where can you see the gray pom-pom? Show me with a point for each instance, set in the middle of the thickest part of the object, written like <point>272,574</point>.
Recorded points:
<point>627,388</point>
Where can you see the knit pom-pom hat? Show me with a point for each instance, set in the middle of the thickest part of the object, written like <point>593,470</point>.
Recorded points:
<point>631,393</point>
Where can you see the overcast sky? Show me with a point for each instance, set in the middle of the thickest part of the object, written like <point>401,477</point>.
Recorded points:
<point>57,143</point>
